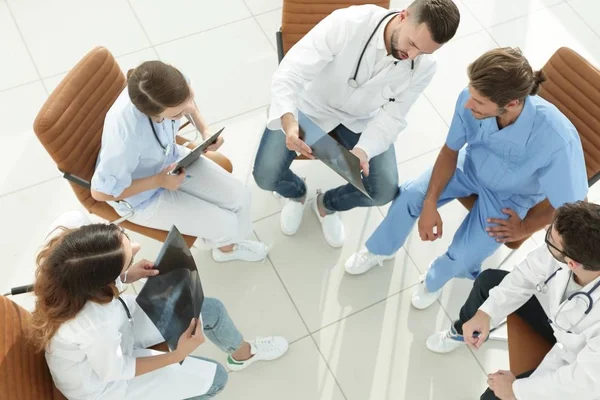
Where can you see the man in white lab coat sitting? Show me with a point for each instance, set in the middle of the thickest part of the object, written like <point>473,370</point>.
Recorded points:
<point>556,290</point>
<point>355,75</point>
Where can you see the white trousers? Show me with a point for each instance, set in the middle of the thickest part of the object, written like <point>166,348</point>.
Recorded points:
<point>212,205</point>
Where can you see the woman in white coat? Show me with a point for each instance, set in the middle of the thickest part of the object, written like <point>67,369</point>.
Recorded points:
<point>556,289</point>
<point>95,338</point>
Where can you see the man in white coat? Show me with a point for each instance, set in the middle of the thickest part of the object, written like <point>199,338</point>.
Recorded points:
<point>355,75</point>
<point>556,290</point>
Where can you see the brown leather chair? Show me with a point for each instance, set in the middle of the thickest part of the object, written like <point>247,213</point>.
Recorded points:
<point>69,125</point>
<point>300,16</point>
<point>24,374</point>
<point>573,86</point>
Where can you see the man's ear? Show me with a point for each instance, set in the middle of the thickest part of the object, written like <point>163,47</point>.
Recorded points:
<point>574,265</point>
<point>403,15</point>
<point>513,103</point>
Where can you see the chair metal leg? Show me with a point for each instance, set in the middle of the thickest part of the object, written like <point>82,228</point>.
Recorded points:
<point>496,337</point>
<point>512,252</point>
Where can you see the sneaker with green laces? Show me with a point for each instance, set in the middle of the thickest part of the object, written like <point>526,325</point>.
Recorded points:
<point>262,349</point>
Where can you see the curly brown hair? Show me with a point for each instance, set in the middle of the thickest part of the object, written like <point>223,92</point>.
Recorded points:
<point>74,267</point>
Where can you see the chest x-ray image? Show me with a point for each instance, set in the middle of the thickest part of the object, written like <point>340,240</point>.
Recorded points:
<point>173,297</point>
<point>331,153</point>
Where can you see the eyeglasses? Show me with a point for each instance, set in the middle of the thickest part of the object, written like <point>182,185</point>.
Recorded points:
<point>552,246</point>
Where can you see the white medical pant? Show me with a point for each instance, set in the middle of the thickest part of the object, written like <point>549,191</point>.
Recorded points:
<point>212,205</point>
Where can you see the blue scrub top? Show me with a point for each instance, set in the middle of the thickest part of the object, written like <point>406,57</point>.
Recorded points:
<point>538,156</point>
<point>130,151</point>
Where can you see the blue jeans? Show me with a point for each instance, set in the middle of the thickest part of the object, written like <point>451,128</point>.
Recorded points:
<point>272,172</point>
<point>219,329</point>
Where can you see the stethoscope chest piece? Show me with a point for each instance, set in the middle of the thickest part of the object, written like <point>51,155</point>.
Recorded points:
<point>352,82</point>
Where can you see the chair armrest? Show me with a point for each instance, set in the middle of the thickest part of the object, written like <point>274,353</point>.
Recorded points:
<point>77,180</point>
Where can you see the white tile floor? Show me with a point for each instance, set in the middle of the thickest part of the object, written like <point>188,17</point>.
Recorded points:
<point>353,337</point>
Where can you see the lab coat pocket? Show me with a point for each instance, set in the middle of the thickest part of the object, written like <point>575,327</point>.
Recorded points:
<point>569,345</point>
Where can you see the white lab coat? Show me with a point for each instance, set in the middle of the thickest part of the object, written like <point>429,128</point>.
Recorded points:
<point>571,370</point>
<point>313,77</point>
<point>92,356</point>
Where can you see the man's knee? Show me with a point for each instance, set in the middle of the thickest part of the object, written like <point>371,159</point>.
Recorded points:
<point>489,279</point>
<point>382,196</point>
<point>267,165</point>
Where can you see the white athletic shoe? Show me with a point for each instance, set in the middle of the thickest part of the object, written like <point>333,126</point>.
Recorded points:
<point>332,226</point>
<point>422,298</point>
<point>262,349</point>
<point>445,341</point>
<point>247,250</point>
<point>363,261</point>
<point>291,216</point>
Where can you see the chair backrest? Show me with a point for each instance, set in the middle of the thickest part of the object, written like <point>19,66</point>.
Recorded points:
<point>300,16</point>
<point>69,125</point>
<point>24,373</point>
<point>573,86</point>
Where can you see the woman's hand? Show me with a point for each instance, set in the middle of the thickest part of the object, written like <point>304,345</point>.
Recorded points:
<point>188,342</point>
<point>215,146</point>
<point>139,270</point>
<point>170,182</point>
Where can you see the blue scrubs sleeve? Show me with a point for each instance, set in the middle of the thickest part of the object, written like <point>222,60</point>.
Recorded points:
<point>564,178</point>
<point>457,134</point>
<point>116,164</point>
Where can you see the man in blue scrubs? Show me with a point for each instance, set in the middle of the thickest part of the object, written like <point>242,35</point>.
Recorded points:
<point>508,146</point>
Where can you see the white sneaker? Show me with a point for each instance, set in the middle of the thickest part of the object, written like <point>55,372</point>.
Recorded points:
<point>422,298</point>
<point>361,262</point>
<point>246,250</point>
<point>263,349</point>
<point>332,226</point>
<point>445,341</point>
<point>291,216</point>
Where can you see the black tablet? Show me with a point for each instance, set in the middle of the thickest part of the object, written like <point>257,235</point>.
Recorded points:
<point>196,153</point>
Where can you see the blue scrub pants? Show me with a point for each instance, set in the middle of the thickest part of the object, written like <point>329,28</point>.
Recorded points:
<point>471,244</point>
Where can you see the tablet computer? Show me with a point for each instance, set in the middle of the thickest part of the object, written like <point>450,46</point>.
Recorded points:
<point>196,153</point>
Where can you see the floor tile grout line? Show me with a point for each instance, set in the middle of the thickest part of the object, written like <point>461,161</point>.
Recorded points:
<point>259,25</point>
<point>302,318</point>
<point>335,379</point>
<point>202,31</point>
<point>139,21</point>
<point>37,70</point>
<point>20,85</point>
<point>28,187</point>
<point>364,308</point>
<point>580,17</point>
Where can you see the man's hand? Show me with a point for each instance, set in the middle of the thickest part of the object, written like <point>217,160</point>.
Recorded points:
<point>507,230</point>
<point>139,270</point>
<point>215,146</point>
<point>292,136</point>
<point>501,384</point>
<point>430,218</point>
<point>364,159</point>
<point>476,330</point>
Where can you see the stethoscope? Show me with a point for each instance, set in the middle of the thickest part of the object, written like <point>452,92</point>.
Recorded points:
<point>352,81</point>
<point>129,317</point>
<point>165,148</point>
<point>543,288</point>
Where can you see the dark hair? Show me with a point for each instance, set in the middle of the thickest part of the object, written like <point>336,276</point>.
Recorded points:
<point>75,267</point>
<point>154,86</point>
<point>441,17</point>
<point>578,225</point>
<point>503,75</point>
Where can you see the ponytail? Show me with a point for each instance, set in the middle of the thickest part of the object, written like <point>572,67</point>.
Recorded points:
<point>539,77</point>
